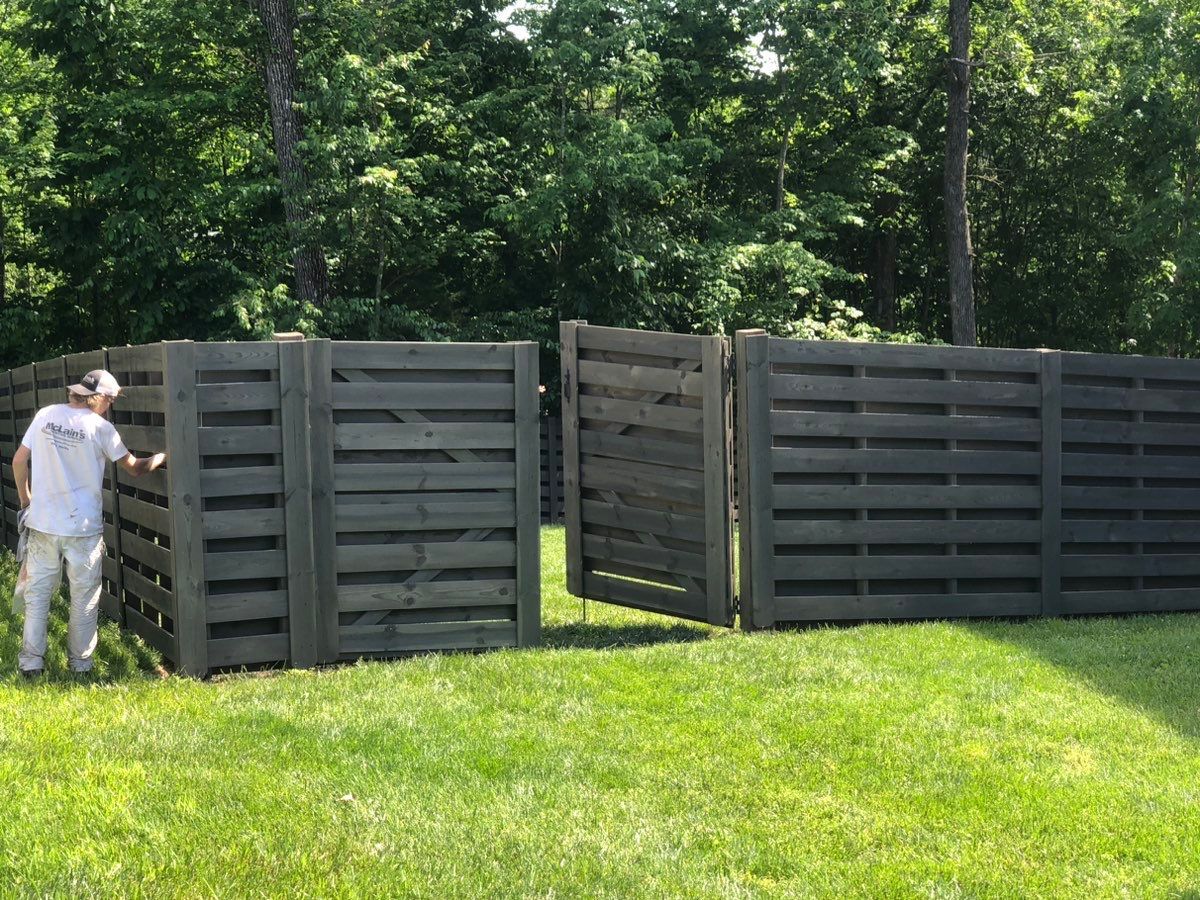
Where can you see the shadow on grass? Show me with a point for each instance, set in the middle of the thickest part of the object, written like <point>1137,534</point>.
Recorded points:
<point>1144,661</point>
<point>595,636</point>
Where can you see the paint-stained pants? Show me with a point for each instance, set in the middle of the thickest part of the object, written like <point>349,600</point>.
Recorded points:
<point>85,559</point>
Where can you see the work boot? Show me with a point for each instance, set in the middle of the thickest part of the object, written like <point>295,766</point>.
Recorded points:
<point>31,674</point>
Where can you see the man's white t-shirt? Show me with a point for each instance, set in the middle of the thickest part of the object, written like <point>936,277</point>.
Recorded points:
<point>68,447</point>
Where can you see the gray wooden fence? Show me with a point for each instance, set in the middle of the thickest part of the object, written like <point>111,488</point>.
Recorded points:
<point>885,481</point>
<point>553,508</point>
<point>646,452</point>
<point>321,500</point>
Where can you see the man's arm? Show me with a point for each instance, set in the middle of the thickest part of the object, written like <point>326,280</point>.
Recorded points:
<point>135,466</point>
<point>20,467</point>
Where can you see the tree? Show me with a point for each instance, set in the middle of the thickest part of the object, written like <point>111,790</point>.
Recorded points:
<point>278,18</point>
<point>958,223</point>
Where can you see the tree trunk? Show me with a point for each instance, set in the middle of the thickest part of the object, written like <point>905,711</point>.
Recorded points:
<point>312,276</point>
<point>954,193</point>
<point>883,263</point>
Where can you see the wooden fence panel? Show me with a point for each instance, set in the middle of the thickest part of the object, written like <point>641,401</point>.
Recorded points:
<point>141,564</point>
<point>435,505</point>
<point>647,477</point>
<point>1130,484</point>
<point>865,466</point>
<point>279,533</point>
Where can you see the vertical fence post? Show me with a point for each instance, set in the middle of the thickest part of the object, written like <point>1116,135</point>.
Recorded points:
<point>718,528</point>
<point>754,480</point>
<point>297,500</point>
<point>569,341</point>
<point>528,494</point>
<point>114,489</point>
<point>187,527</point>
<point>1051,378</point>
<point>324,514</point>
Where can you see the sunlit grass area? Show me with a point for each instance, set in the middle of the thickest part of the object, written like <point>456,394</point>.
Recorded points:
<point>633,755</point>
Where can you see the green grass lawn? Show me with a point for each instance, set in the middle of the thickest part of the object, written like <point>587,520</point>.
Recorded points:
<point>633,756</point>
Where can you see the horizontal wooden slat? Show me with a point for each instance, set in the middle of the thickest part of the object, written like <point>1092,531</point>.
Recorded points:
<point>142,358</point>
<point>906,532</point>
<point>423,476</point>
<point>906,606</point>
<point>630,412</point>
<point>241,482</point>
<point>430,595</point>
<point>237,396</point>
<point>158,558</point>
<point>1125,466</point>
<point>854,353</point>
<point>982,462</point>
<point>888,496</point>
<point>425,436</point>
<point>1087,531</point>
<point>1111,364</point>
<point>650,343</point>
<point>1145,600</point>
<point>148,515</point>
<point>231,565</point>
<point>148,592</point>
<point>248,651</point>
<point>644,596</point>
<point>413,516</point>
<point>422,395</point>
<point>1113,566</point>
<point>235,523</point>
<point>144,438</point>
<point>429,555</point>
<point>1083,431</point>
<point>436,355</point>
<point>243,607</point>
<point>885,425</point>
<point>435,636</point>
<point>237,356</point>
<point>218,441</point>
<point>902,567</point>
<point>1129,498</point>
<point>641,554</point>
<point>903,390</point>
<point>1077,397</point>
<point>647,521</point>
<point>599,476</point>
<point>155,482</point>
<point>681,454</point>
<point>641,378</point>
<point>153,635</point>
<point>141,398</point>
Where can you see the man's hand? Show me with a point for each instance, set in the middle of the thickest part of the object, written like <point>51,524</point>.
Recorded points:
<point>143,466</point>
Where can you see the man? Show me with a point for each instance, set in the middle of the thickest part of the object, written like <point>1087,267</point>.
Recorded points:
<point>68,444</point>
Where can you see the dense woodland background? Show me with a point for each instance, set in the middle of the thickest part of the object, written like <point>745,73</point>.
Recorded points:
<point>474,170</point>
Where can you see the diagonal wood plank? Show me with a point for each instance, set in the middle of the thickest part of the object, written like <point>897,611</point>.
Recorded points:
<point>684,581</point>
<point>650,397</point>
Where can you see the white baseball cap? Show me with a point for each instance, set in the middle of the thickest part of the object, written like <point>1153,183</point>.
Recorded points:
<point>97,381</point>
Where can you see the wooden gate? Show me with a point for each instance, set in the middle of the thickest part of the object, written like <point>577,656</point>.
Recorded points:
<point>647,478</point>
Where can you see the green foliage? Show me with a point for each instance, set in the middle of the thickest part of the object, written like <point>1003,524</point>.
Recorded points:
<point>484,169</point>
